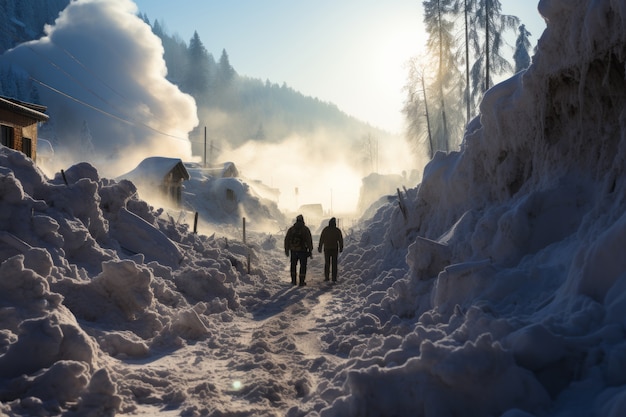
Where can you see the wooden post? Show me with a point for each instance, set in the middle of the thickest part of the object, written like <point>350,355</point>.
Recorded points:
<point>402,205</point>
<point>195,223</point>
<point>244,242</point>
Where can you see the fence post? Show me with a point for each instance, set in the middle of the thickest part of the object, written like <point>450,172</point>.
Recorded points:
<point>244,242</point>
<point>402,205</point>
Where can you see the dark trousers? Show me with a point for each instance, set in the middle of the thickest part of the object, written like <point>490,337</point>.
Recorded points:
<point>302,257</point>
<point>330,259</point>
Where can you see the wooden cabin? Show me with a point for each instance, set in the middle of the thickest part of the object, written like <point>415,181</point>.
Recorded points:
<point>18,125</point>
<point>160,174</point>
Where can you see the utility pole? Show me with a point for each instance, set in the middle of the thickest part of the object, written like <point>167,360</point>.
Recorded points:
<point>205,146</point>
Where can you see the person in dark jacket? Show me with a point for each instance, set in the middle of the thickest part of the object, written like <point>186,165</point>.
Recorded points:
<point>299,244</point>
<point>331,240</point>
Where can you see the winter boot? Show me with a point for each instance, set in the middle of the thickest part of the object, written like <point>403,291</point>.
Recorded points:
<point>293,280</point>
<point>302,283</point>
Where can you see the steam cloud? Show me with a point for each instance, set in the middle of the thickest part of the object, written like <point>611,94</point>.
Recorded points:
<point>100,71</point>
<point>324,169</point>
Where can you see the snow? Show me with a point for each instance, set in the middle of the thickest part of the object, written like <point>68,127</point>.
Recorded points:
<point>154,170</point>
<point>495,289</point>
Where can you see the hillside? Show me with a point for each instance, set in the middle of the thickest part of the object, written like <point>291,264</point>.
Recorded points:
<point>22,21</point>
<point>236,108</point>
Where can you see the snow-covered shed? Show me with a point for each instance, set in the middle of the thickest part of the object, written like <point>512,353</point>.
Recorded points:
<point>164,175</point>
<point>225,170</point>
<point>18,125</point>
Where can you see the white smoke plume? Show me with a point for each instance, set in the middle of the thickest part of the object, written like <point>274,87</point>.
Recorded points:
<point>321,168</point>
<point>101,73</point>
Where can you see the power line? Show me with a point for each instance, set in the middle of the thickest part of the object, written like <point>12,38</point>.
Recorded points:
<point>70,76</point>
<point>92,92</point>
<point>89,71</point>
<point>128,122</point>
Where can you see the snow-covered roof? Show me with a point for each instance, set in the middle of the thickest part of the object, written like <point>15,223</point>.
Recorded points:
<point>34,111</point>
<point>225,170</point>
<point>155,170</point>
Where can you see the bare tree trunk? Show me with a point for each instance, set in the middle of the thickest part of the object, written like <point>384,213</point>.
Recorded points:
<point>487,19</point>
<point>440,80</point>
<point>430,135</point>
<point>467,80</point>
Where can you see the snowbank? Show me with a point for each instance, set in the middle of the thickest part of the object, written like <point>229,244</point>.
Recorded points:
<point>73,294</point>
<point>512,300</point>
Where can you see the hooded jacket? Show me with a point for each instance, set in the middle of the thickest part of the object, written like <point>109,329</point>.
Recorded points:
<point>331,237</point>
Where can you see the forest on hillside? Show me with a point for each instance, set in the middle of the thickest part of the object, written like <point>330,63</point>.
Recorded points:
<point>236,108</point>
<point>21,21</point>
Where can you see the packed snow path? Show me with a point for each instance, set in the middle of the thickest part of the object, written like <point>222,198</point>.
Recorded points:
<point>271,359</point>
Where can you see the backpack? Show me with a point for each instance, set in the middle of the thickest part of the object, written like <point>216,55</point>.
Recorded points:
<point>297,239</point>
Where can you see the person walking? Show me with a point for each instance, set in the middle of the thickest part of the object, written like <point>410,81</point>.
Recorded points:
<point>299,244</point>
<point>331,240</point>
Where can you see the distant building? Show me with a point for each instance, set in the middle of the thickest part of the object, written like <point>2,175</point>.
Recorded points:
<point>374,186</point>
<point>225,170</point>
<point>314,211</point>
<point>18,125</point>
<point>163,175</point>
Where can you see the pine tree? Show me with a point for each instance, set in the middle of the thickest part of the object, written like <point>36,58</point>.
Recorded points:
<point>441,90</point>
<point>368,148</point>
<point>522,46</point>
<point>488,44</point>
<point>87,149</point>
<point>8,82</point>
<point>197,79</point>
<point>226,72</point>
<point>415,110</point>
<point>467,7</point>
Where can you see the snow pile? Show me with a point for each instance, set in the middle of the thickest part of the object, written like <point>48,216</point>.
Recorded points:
<point>514,295</point>
<point>225,200</point>
<point>73,295</point>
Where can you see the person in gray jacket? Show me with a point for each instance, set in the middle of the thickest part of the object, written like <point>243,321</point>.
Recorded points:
<point>331,240</point>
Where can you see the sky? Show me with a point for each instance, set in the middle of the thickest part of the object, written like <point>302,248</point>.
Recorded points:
<point>351,53</point>
<point>494,287</point>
